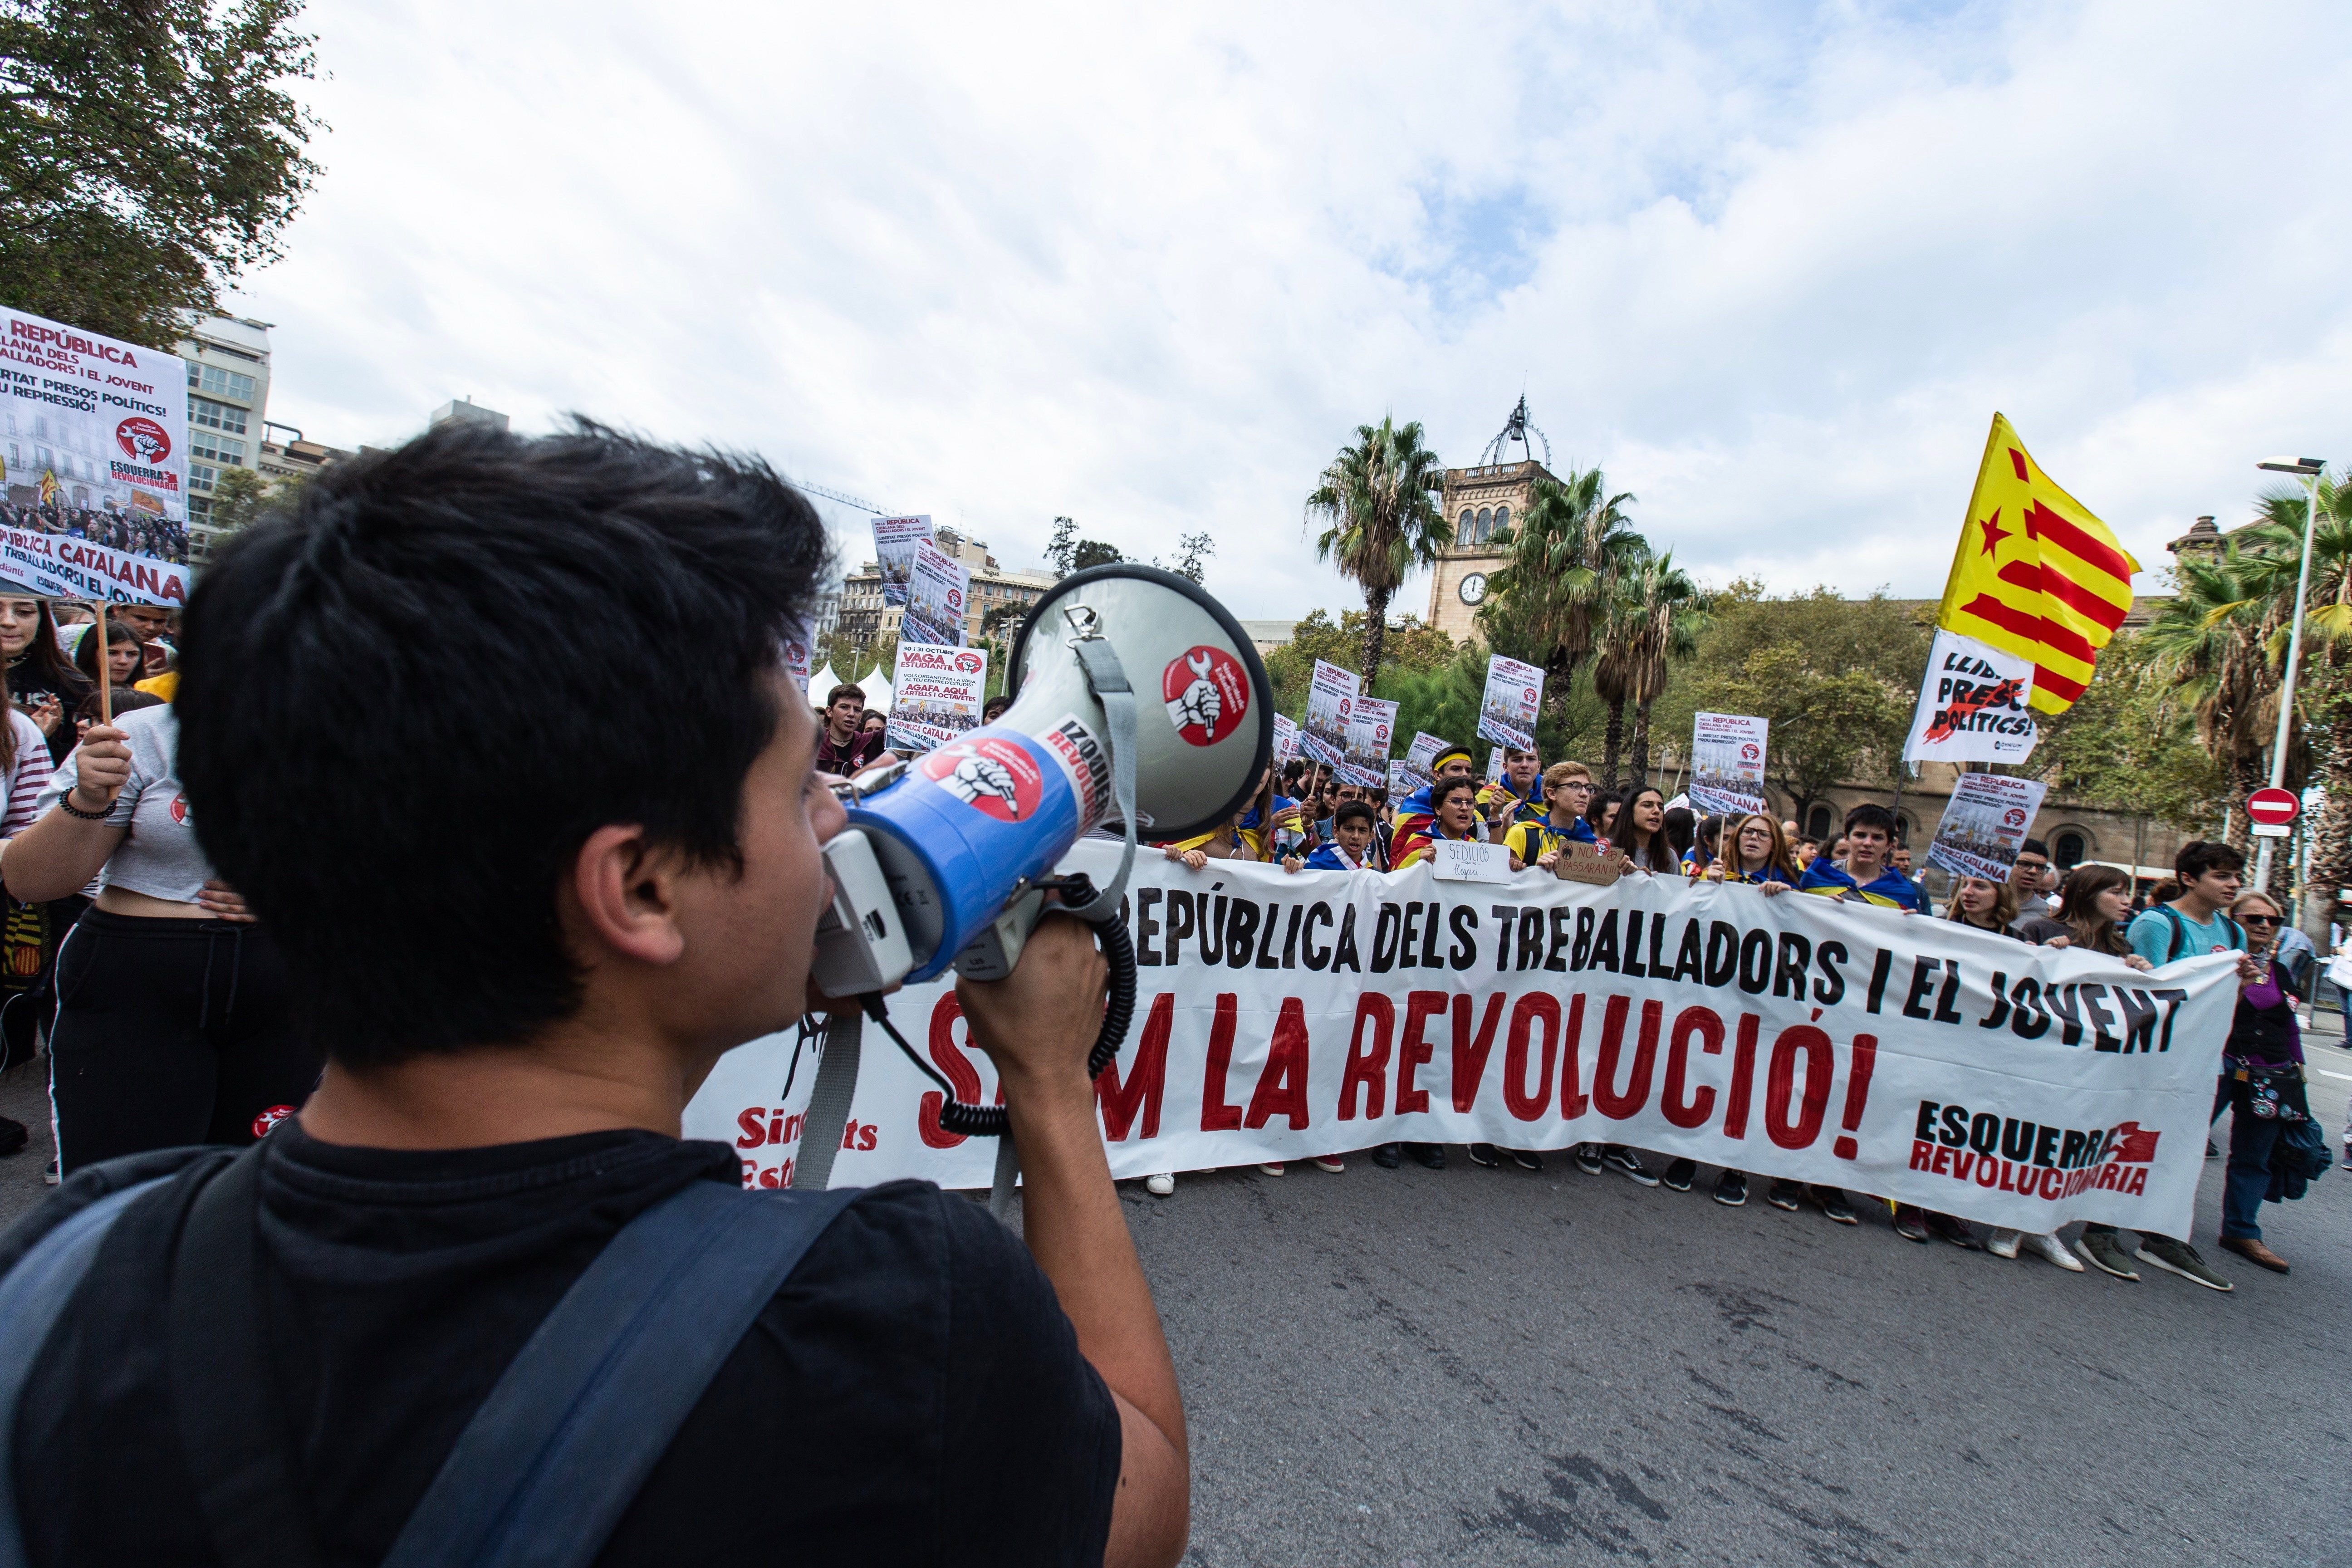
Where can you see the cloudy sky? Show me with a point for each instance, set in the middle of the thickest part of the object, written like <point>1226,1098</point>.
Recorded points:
<point>1773,267</point>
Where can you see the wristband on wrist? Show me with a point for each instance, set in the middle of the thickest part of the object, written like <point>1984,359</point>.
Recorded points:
<point>65,803</point>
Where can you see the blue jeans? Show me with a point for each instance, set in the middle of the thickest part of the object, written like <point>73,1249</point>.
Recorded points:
<point>2252,1138</point>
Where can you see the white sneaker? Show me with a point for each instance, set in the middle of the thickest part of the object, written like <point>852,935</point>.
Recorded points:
<point>2055,1250</point>
<point>1160,1185</point>
<point>1271,1168</point>
<point>2003,1243</point>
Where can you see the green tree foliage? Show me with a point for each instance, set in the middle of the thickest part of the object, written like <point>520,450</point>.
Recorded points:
<point>1836,678</point>
<point>1549,603</point>
<point>1378,522</point>
<point>240,495</point>
<point>149,154</point>
<point>1094,553</point>
<point>1410,646</point>
<point>2129,744</point>
<point>1193,552</point>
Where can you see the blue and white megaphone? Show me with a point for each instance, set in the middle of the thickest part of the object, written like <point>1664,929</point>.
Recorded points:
<point>1142,706</point>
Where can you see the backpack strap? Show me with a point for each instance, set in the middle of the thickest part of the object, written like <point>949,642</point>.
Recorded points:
<point>33,1297</point>
<point>557,1452</point>
<point>2179,932</point>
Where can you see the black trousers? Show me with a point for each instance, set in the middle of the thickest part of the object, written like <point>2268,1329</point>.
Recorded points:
<point>170,1032</point>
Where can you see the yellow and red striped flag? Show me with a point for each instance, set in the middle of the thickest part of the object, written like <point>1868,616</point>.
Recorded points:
<point>2036,575</point>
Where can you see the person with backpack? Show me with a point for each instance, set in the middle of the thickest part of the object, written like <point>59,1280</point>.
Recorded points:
<point>477,1290</point>
<point>2195,921</point>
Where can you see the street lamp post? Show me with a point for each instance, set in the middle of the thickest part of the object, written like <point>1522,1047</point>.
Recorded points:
<point>2308,469</point>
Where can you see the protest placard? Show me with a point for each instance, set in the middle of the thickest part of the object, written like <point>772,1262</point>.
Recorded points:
<point>1330,699</point>
<point>1371,726</point>
<point>938,587</point>
<point>96,473</point>
<point>1986,823</point>
<point>1973,705</point>
<point>895,540</point>
<point>1506,711</point>
<point>937,693</point>
<point>1727,763</point>
<point>1285,738</point>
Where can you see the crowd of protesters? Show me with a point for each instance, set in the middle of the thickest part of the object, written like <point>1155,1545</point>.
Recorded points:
<point>134,532</point>
<point>1305,819</point>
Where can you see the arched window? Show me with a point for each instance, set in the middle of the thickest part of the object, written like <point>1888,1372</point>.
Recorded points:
<point>2068,851</point>
<point>1502,517</point>
<point>1486,524</point>
<point>1462,532</point>
<point>1817,823</point>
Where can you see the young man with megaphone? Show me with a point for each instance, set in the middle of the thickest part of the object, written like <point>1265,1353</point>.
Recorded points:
<point>476,1296</point>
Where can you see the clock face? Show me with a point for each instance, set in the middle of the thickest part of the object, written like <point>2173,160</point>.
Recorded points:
<point>1474,588</point>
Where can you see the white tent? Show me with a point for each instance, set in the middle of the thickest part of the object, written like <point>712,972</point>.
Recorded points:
<point>823,681</point>
<point>876,690</point>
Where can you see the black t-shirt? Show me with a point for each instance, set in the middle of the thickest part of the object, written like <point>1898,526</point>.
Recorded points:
<point>913,1393</point>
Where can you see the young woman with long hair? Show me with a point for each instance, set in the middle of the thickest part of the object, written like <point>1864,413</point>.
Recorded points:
<point>126,655</point>
<point>1986,905</point>
<point>2095,903</point>
<point>41,680</point>
<point>2262,1080</point>
<point>1641,831</point>
<point>1756,852</point>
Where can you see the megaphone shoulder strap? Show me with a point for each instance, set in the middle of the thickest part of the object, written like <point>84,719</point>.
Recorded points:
<point>1108,678</point>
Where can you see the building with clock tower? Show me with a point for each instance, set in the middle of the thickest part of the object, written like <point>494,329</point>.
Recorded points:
<point>1478,502</point>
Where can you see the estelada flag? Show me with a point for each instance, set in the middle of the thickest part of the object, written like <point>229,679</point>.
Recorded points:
<point>2036,575</point>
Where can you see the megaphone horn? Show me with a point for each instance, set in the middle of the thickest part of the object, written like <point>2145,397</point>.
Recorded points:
<point>976,825</point>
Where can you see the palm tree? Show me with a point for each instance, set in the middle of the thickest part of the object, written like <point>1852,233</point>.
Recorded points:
<point>2273,554</point>
<point>1378,521</point>
<point>2210,637</point>
<point>1661,617</point>
<point>1568,550</point>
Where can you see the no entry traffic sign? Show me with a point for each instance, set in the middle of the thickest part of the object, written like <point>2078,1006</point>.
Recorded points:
<point>2272,807</point>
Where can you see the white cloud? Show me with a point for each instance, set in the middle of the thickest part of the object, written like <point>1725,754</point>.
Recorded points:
<point>1150,268</point>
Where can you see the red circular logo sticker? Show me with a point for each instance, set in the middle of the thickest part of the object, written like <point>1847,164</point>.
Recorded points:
<point>994,776</point>
<point>180,809</point>
<point>970,663</point>
<point>142,440</point>
<point>269,1119</point>
<point>1206,693</point>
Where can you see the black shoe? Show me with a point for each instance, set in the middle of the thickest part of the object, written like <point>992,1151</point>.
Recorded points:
<point>1484,1154</point>
<point>1628,1165</point>
<point>1731,1189</point>
<point>1432,1155</point>
<point>13,1136</point>
<point>2211,1152</point>
<point>1785,1195</point>
<point>1587,1158</point>
<point>1526,1159</point>
<point>1954,1231</point>
<point>1679,1174</point>
<point>1834,1207</point>
<point>1389,1157</point>
<point>1911,1223</point>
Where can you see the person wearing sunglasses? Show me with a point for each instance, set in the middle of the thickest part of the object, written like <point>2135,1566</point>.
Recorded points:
<point>2262,1078</point>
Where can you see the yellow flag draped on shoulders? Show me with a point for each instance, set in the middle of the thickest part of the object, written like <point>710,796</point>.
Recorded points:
<point>2036,575</point>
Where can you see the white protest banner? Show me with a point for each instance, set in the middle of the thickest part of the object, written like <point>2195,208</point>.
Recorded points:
<point>1506,713</point>
<point>937,693</point>
<point>1985,824</point>
<point>1369,727</point>
<point>95,478</point>
<point>895,540</point>
<point>1972,706</point>
<point>1727,762</point>
<point>1284,1016</point>
<point>1286,739</point>
<point>937,589</point>
<point>1330,698</point>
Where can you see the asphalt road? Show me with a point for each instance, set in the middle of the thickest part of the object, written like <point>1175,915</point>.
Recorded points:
<point>1410,1369</point>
